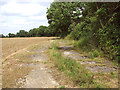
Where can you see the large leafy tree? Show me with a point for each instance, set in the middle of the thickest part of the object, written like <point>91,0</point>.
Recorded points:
<point>105,26</point>
<point>33,32</point>
<point>22,33</point>
<point>100,22</point>
<point>11,35</point>
<point>60,15</point>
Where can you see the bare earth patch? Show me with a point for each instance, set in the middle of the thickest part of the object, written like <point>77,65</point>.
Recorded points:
<point>26,68</point>
<point>40,77</point>
<point>99,68</point>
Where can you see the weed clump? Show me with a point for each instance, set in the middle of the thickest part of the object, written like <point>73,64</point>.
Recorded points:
<point>76,72</point>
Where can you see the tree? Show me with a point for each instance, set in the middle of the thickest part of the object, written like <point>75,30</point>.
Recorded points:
<point>11,35</point>
<point>99,26</point>
<point>60,15</point>
<point>2,36</point>
<point>22,33</point>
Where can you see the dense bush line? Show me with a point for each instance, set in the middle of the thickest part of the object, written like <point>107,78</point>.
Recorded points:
<point>36,32</point>
<point>95,25</point>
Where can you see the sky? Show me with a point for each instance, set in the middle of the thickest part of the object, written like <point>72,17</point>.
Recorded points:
<point>18,15</point>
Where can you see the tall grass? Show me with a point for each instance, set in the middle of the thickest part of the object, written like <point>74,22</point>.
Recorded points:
<point>86,46</point>
<point>76,72</point>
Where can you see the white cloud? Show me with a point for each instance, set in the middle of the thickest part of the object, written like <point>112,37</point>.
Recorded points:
<point>22,9</point>
<point>22,14</point>
<point>19,21</point>
<point>39,18</point>
<point>35,1</point>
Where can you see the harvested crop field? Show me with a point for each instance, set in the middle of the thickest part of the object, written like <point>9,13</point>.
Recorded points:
<point>13,45</point>
<point>18,65</point>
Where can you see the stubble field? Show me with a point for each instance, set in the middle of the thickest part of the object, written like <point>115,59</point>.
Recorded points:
<point>11,46</point>
<point>16,57</point>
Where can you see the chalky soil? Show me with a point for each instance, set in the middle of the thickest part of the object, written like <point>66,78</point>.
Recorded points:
<point>39,77</point>
<point>69,52</point>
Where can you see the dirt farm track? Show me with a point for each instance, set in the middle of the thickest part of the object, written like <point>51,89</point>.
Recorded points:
<point>30,63</point>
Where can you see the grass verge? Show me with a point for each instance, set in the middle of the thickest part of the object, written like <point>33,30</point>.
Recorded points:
<point>76,72</point>
<point>89,50</point>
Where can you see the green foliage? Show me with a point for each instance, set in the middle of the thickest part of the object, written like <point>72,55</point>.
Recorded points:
<point>82,43</point>
<point>55,45</point>
<point>71,68</point>
<point>60,15</point>
<point>62,86</point>
<point>41,31</point>
<point>98,28</point>
<point>22,33</point>
<point>94,54</point>
<point>113,75</point>
<point>35,32</point>
<point>11,35</point>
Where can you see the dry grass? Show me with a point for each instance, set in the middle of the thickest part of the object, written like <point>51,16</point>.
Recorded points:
<point>15,68</point>
<point>16,53</point>
<point>13,45</point>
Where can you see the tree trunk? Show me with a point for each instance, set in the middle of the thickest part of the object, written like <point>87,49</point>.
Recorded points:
<point>100,19</point>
